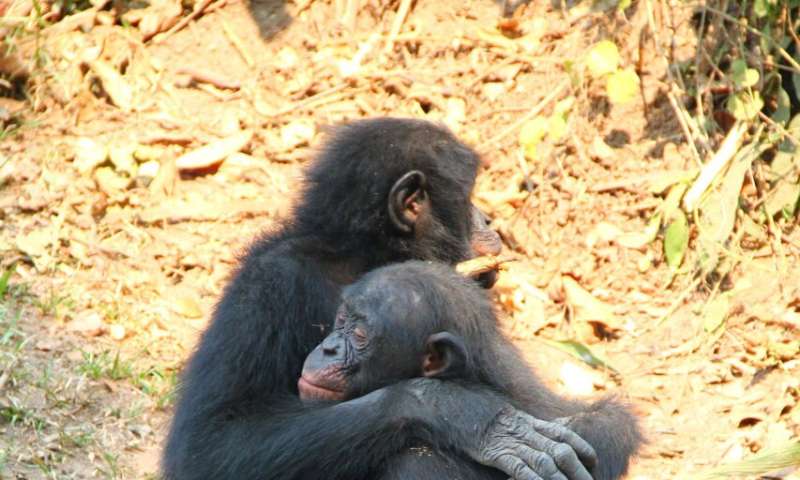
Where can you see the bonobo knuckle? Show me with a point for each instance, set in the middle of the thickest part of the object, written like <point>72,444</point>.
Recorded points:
<point>563,452</point>
<point>518,469</point>
<point>545,464</point>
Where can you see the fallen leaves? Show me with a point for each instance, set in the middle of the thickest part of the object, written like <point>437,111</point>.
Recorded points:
<point>114,84</point>
<point>589,310</point>
<point>214,152</point>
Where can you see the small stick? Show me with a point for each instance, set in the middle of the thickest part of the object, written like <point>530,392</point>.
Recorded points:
<point>490,71</point>
<point>238,44</point>
<point>199,7</point>
<point>304,103</point>
<point>730,145</point>
<point>402,12</point>
<point>478,265</point>
<point>536,110</point>
<point>209,77</point>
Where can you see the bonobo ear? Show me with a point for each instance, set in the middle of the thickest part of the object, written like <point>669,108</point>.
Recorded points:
<point>445,356</point>
<point>407,199</point>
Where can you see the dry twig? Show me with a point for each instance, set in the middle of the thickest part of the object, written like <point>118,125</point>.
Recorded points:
<point>402,12</point>
<point>536,110</point>
<point>199,8</point>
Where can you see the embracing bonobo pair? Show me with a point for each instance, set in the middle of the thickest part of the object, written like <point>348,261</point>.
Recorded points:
<point>381,191</point>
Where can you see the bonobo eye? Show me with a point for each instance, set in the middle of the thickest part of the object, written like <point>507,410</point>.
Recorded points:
<point>360,336</point>
<point>338,322</point>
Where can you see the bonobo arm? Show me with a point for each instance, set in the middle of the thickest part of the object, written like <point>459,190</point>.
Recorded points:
<point>482,424</point>
<point>354,439</point>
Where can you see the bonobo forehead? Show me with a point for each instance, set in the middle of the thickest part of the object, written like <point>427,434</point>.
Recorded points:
<point>388,299</point>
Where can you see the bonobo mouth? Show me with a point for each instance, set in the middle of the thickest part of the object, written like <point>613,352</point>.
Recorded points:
<point>312,391</point>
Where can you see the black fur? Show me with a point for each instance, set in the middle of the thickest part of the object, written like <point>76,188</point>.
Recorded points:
<point>238,415</point>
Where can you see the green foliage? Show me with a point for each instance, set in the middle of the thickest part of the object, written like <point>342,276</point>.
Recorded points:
<point>603,59</point>
<point>763,462</point>
<point>4,280</point>
<point>581,352</point>
<point>97,366</point>
<point>676,240</point>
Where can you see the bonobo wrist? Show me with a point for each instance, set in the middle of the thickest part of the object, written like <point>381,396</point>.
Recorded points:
<point>457,413</point>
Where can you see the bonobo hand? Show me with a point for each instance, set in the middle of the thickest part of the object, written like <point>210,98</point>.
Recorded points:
<point>483,425</point>
<point>530,449</point>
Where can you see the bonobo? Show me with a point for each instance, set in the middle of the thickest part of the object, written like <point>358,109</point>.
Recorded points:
<point>380,191</point>
<point>418,320</point>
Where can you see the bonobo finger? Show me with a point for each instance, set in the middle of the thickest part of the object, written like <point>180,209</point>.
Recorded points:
<point>563,434</point>
<point>543,465</point>
<point>550,455</point>
<point>515,467</point>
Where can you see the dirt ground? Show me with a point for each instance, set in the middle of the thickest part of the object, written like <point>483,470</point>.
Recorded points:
<point>120,250</point>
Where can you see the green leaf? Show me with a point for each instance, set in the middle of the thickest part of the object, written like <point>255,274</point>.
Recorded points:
<point>717,212</point>
<point>5,278</point>
<point>580,351</point>
<point>783,199</point>
<point>557,127</point>
<point>738,67</point>
<point>784,109</point>
<point>743,76</point>
<point>531,134</point>
<point>622,86</point>
<point>745,105</point>
<point>564,106</point>
<point>716,312</point>
<point>603,58</point>
<point>623,4</point>
<point>760,8</point>
<point>676,239</point>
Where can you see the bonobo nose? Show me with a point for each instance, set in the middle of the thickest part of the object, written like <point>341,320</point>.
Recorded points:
<point>330,346</point>
<point>485,241</point>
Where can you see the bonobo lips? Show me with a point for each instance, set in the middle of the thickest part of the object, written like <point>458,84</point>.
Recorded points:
<point>311,391</point>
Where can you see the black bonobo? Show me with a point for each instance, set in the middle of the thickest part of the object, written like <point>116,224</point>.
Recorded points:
<point>418,320</point>
<point>380,191</point>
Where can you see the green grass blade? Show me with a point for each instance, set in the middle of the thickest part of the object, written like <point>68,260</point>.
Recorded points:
<point>765,461</point>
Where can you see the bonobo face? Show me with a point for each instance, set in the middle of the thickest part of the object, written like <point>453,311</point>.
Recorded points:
<point>446,226</point>
<point>383,333</point>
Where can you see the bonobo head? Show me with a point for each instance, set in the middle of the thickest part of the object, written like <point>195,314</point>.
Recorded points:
<point>391,189</point>
<point>403,321</point>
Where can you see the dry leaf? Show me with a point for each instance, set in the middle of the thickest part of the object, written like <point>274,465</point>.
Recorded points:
<point>587,308</point>
<point>114,84</point>
<point>213,153</point>
<point>297,133</point>
<point>35,242</point>
<point>89,325</point>
<point>159,17</point>
<point>186,306</point>
<point>88,154</point>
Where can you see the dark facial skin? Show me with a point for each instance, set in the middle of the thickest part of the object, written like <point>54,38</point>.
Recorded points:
<point>342,366</point>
